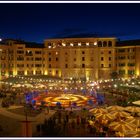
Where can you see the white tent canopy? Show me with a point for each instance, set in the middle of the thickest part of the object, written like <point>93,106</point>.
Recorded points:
<point>136,102</point>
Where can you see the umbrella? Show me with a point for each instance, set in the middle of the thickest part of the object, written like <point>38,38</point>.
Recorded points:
<point>122,126</point>
<point>131,134</point>
<point>98,110</point>
<point>127,134</point>
<point>120,114</point>
<point>114,108</point>
<point>105,116</point>
<point>132,109</point>
<point>91,122</point>
<point>135,121</point>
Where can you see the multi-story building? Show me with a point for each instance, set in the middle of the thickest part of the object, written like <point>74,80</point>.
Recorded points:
<point>92,58</point>
<point>77,58</point>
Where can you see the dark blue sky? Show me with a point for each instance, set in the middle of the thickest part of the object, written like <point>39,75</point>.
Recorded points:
<point>36,22</point>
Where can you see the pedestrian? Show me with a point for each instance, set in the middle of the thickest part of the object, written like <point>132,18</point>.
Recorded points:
<point>64,124</point>
<point>78,121</point>
<point>67,118</point>
<point>73,124</point>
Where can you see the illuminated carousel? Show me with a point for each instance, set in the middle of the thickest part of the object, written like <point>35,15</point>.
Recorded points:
<point>65,100</point>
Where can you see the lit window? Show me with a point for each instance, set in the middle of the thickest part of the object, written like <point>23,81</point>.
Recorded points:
<point>49,47</point>
<point>71,44</point>
<point>87,43</point>
<point>79,44</point>
<point>95,43</point>
<point>63,44</point>
<point>56,53</point>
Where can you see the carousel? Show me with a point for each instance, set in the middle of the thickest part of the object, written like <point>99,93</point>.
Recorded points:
<point>65,100</point>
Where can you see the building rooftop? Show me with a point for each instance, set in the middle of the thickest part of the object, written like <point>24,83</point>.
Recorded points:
<point>128,42</point>
<point>18,41</point>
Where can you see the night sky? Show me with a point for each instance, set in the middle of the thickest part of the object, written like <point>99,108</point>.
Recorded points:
<point>36,22</point>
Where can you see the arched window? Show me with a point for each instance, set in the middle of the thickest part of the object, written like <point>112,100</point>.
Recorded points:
<point>99,43</point>
<point>109,43</point>
<point>104,44</point>
<point>49,43</point>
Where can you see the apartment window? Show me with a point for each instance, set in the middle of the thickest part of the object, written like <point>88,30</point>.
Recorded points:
<point>56,72</point>
<point>38,65</point>
<point>121,57</point>
<point>109,65</point>
<point>37,52</point>
<point>49,59</point>
<point>102,65</point>
<point>131,72</point>
<point>29,72</point>
<point>109,43</point>
<point>109,58</point>
<point>100,44</point>
<point>56,59</point>
<point>11,58</point>
<point>20,58</point>
<point>66,65</point>
<point>131,64</point>
<point>38,59</point>
<point>20,72</point>
<point>27,65</point>
<point>83,65</point>
<point>66,53</point>
<point>38,72</point>
<point>50,65</point>
<point>29,53</point>
<point>109,52</point>
<point>104,44</point>
<point>74,59</point>
<point>83,52</point>
<point>49,53</point>
<point>83,58</point>
<point>20,65</point>
<point>121,72</point>
<point>102,58</point>
<point>121,64</point>
<point>20,52</point>
<point>121,50</point>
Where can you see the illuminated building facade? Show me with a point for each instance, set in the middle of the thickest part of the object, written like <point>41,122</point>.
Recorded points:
<point>72,58</point>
